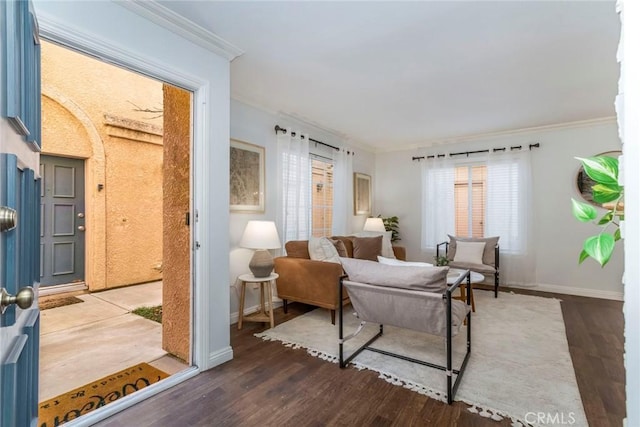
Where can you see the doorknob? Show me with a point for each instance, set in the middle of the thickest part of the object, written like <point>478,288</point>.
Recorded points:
<point>23,299</point>
<point>81,228</point>
<point>8,218</point>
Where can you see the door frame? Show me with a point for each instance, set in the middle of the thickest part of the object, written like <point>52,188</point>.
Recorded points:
<point>200,339</point>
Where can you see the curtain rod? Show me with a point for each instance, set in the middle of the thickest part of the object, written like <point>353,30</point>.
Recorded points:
<point>466,153</point>
<point>278,129</point>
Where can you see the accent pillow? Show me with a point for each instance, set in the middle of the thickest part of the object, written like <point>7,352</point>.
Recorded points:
<point>387,247</point>
<point>340,247</point>
<point>393,261</point>
<point>367,247</point>
<point>489,255</point>
<point>469,252</point>
<point>431,279</point>
<point>322,249</point>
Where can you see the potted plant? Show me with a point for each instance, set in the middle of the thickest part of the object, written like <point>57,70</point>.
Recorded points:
<point>441,261</point>
<point>610,195</point>
<point>391,224</point>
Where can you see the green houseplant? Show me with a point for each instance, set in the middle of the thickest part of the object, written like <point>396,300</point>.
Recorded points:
<point>441,261</point>
<point>610,194</point>
<point>392,224</point>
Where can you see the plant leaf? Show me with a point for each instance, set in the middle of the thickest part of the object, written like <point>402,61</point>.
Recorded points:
<point>603,193</point>
<point>583,255</point>
<point>602,169</point>
<point>606,218</point>
<point>617,235</point>
<point>600,247</point>
<point>583,211</point>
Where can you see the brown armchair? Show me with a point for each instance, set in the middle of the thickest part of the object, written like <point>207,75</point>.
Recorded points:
<point>313,282</point>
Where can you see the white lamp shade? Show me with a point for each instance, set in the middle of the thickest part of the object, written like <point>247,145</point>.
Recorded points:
<point>260,235</point>
<point>374,224</point>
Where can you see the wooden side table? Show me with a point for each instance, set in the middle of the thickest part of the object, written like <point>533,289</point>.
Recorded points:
<point>265,313</point>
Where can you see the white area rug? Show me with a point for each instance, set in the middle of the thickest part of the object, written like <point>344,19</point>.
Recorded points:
<point>519,366</point>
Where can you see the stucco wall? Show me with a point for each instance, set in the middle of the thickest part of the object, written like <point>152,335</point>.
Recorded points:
<point>176,290</point>
<point>89,113</point>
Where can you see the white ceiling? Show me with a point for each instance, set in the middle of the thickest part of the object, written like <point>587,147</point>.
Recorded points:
<point>399,74</point>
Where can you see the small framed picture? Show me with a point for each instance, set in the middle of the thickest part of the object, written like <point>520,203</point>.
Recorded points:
<point>361,194</point>
<point>246,177</point>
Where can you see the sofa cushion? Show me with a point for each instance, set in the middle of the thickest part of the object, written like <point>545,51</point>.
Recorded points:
<point>431,279</point>
<point>393,261</point>
<point>322,249</point>
<point>489,254</point>
<point>367,247</point>
<point>387,248</point>
<point>297,249</point>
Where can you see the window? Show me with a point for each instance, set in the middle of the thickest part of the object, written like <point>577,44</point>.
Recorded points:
<point>321,196</point>
<point>470,200</point>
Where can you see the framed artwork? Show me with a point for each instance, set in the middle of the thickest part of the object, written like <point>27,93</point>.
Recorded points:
<point>361,194</point>
<point>246,177</point>
<point>584,183</point>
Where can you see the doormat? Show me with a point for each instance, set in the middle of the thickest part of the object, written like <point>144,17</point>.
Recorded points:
<point>82,400</point>
<point>58,302</point>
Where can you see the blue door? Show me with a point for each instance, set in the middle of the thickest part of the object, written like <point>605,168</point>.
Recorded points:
<point>19,321</point>
<point>19,213</point>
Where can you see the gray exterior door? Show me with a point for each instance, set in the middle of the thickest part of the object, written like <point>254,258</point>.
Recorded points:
<point>62,222</point>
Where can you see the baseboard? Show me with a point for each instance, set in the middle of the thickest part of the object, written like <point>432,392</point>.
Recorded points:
<point>219,357</point>
<point>568,290</point>
<point>60,289</point>
<point>234,316</point>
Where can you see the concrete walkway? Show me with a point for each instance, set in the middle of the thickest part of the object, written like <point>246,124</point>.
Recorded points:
<point>83,342</point>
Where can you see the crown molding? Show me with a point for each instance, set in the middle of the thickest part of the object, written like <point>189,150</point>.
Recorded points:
<point>181,26</point>
<point>305,124</point>
<point>510,132</point>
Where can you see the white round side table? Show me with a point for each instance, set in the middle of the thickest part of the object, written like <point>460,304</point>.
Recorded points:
<point>265,313</point>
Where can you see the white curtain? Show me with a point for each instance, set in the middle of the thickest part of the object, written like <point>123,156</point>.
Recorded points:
<point>508,214</point>
<point>438,208</point>
<point>342,191</point>
<point>294,183</point>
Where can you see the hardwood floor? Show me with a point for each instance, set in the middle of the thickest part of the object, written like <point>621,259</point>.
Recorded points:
<point>268,384</point>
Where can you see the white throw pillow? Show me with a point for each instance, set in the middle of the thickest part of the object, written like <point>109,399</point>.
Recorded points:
<point>394,261</point>
<point>321,249</point>
<point>469,252</point>
<point>387,247</point>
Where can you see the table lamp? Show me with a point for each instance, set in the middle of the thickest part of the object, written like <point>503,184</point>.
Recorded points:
<point>374,224</point>
<point>261,236</point>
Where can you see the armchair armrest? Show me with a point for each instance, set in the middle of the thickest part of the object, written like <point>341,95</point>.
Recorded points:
<point>400,252</point>
<point>446,248</point>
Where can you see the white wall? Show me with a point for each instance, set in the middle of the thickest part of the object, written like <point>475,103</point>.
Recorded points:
<point>558,236</point>
<point>256,126</point>
<point>108,30</point>
<point>630,90</point>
